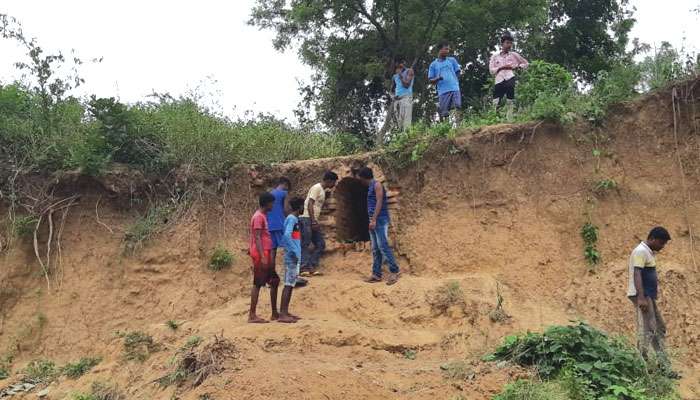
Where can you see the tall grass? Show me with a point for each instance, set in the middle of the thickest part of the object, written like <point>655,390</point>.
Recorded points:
<point>153,136</point>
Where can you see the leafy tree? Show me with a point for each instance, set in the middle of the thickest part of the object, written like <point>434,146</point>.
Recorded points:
<point>351,45</point>
<point>583,36</point>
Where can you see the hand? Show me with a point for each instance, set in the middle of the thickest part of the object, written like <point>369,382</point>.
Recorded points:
<point>643,303</point>
<point>372,224</point>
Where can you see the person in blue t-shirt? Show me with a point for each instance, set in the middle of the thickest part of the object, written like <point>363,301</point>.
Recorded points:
<point>444,72</point>
<point>292,257</point>
<point>403,95</point>
<point>275,218</point>
<point>378,211</point>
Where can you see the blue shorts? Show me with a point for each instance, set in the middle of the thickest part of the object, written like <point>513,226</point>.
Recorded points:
<point>291,269</point>
<point>277,237</point>
<point>449,101</point>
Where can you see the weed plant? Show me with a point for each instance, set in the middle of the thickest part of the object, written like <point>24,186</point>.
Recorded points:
<point>589,234</point>
<point>221,258</point>
<point>445,296</point>
<point>41,371</point>
<point>138,346</point>
<point>81,367</point>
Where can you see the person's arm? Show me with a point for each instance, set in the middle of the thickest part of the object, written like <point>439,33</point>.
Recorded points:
<point>433,76</point>
<point>522,62</point>
<point>493,68</point>
<point>406,80</point>
<point>456,66</point>
<point>379,191</point>
<point>642,301</point>
<point>258,241</point>
<point>286,204</point>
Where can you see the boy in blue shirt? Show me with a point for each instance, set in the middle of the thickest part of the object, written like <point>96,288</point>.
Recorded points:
<point>444,73</point>
<point>275,218</point>
<point>403,95</point>
<point>291,242</point>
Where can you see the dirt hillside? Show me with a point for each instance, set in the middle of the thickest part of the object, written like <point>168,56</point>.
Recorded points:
<point>499,207</point>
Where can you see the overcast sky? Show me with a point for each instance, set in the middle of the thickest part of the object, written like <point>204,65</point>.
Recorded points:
<point>175,46</point>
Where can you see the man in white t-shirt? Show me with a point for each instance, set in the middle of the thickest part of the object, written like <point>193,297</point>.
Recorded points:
<point>311,232</point>
<point>642,290</point>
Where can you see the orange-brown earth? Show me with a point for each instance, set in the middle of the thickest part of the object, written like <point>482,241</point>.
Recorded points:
<point>502,205</point>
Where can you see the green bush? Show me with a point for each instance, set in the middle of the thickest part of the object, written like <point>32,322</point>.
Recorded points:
<point>4,372</point>
<point>24,225</point>
<point>589,362</point>
<point>221,258</point>
<point>532,390</point>
<point>543,79</point>
<point>589,234</point>
<point>138,346</point>
<point>81,367</point>
<point>41,371</point>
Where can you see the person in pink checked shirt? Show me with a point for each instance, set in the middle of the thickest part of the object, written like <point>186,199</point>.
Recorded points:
<point>502,65</point>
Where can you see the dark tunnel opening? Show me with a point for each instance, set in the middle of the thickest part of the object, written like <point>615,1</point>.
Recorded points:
<point>351,218</point>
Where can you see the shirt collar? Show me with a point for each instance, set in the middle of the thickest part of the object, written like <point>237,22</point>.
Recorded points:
<point>647,247</point>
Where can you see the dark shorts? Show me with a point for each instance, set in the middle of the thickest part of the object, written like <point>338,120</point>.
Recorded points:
<point>505,88</point>
<point>263,271</point>
<point>276,237</point>
<point>449,101</point>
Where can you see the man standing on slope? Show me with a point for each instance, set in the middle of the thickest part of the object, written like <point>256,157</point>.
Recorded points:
<point>311,232</point>
<point>502,65</point>
<point>403,95</point>
<point>642,291</point>
<point>379,229</point>
<point>444,72</point>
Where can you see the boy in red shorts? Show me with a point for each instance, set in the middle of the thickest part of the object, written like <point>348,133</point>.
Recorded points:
<point>260,252</point>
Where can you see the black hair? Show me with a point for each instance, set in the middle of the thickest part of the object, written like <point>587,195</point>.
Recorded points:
<point>366,173</point>
<point>442,44</point>
<point>265,199</point>
<point>659,233</point>
<point>330,176</point>
<point>506,36</point>
<point>284,181</point>
<point>296,204</point>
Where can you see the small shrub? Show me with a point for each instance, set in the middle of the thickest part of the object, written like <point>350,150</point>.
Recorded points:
<point>498,314</point>
<point>605,185</point>
<point>543,79</point>
<point>41,371</point>
<point>458,370</point>
<point>588,362</point>
<point>192,342</point>
<point>589,234</point>
<point>138,346</point>
<point>524,389</point>
<point>410,354</point>
<point>146,226</point>
<point>446,296</point>
<point>4,372</point>
<point>172,324</point>
<point>221,258</point>
<point>102,390</point>
<point>24,225</point>
<point>81,367</point>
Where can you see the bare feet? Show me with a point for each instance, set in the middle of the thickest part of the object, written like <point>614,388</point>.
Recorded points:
<point>296,317</point>
<point>286,319</point>
<point>254,319</point>
<point>274,317</point>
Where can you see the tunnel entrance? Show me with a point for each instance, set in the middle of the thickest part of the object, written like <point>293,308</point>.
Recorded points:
<point>351,218</point>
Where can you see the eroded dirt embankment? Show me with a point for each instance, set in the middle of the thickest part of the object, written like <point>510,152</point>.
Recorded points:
<point>501,205</point>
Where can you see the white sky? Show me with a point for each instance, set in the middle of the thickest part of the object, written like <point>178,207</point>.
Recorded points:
<point>173,46</point>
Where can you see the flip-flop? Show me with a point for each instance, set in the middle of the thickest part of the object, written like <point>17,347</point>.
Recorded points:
<point>373,279</point>
<point>392,280</point>
<point>258,321</point>
<point>301,282</point>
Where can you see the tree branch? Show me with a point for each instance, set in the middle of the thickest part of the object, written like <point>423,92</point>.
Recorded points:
<point>360,8</point>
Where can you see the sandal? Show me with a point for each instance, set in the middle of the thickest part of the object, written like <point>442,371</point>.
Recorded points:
<point>373,279</point>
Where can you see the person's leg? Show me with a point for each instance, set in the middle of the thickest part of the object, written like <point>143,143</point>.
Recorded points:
<point>376,255</point>
<point>406,106</point>
<point>274,282</point>
<point>444,106</point>
<point>457,107</point>
<point>510,98</point>
<point>290,275</point>
<point>382,232</point>
<point>498,93</point>
<point>258,282</point>
<point>306,232</point>
<point>659,337</point>
<point>645,329</point>
<point>319,243</point>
